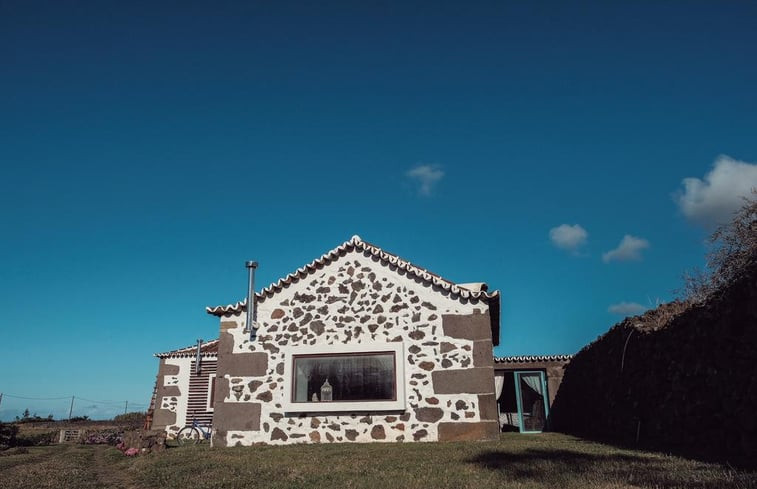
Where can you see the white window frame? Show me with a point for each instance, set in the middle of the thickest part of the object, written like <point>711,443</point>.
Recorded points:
<point>211,379</point>
<point>399,404</point>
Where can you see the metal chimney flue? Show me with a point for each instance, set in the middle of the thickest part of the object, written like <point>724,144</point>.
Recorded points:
<point>252,313</point>
<point>198,358</point>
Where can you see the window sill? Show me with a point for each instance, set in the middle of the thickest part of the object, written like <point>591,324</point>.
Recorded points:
<point>342,407</point>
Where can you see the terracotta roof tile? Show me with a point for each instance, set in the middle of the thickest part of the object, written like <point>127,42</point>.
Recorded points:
<point>533,358</point>
<point>208,349</point>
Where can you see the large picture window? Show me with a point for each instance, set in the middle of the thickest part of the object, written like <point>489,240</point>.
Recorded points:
<point>345,378</point>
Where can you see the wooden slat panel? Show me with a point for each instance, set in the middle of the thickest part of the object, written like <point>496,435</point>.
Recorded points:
<point>197,403</point>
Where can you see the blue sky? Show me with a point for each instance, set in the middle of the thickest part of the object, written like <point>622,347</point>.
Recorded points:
<point>148,151</point>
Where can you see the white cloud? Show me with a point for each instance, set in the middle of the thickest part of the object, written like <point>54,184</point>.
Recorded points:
<point>713,201</point>
<point>568,237</point>
<point>626,308</point>
<point>427,176</point>
<point>629,249</point>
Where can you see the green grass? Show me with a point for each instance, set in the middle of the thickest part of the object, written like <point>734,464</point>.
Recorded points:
<point>48,467</point>
<point>515,461</point>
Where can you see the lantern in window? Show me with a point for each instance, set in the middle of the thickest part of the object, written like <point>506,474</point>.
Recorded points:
<point>327,392</point>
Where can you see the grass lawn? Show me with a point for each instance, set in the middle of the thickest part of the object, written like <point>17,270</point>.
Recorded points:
<point>515,461</point>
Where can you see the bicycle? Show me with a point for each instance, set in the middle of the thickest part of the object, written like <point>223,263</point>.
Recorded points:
<point>194,434</point>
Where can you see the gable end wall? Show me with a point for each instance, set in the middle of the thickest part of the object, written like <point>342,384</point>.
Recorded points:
<point>449,379</point>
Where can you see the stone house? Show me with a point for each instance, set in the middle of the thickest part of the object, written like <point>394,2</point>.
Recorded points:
<point>357,346</point>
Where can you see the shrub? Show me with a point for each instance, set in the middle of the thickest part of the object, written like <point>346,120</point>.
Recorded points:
<point>734,251</point>
<point>15,451</point>
<point>26,417</point>
<point>37,439</point>
<point>8,434</point>
<point>134,419</point>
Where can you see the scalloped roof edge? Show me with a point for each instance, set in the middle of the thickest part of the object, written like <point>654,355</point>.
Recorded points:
<point>533,358</point>
<point>208,349</point>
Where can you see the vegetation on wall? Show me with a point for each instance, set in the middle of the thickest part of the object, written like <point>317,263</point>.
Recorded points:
<point>733,253</point>
<point>682,376</point>
<point>134,419</point>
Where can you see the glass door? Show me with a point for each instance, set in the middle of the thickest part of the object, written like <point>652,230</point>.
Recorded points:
<point>531,395</point>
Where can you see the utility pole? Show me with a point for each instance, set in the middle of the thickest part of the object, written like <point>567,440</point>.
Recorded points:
<point>126,406</point>
<point>1,397</point>
<point>71,409</point>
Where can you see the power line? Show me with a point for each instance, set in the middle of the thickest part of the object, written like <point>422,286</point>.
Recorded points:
<point>100,402</point>
<point>13,396</point>
<point>36,398</point>
<point>111,403</point>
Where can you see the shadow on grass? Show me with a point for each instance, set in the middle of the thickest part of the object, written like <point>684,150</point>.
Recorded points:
<point>565,468</point>
<point>703,453</point>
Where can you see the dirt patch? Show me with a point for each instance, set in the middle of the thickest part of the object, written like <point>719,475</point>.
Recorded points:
<point>107,474</point>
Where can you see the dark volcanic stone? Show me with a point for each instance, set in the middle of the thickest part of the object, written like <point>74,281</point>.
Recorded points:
<point>417,335</point>
<point>426,365</point>
<point>429,414</point>
<point>265,396</point>
<point>306,319</point>
<point>278,434</point>
<point>377,433</point>
<point>318,327</point>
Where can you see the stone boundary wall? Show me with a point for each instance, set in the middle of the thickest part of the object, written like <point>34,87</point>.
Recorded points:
<point>689,386</point>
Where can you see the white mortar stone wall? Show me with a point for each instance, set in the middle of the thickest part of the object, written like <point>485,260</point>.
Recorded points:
<point>177,404</point>
<point>355,300</point>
